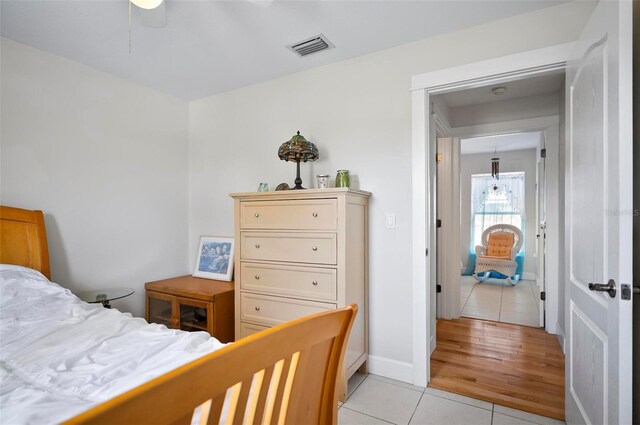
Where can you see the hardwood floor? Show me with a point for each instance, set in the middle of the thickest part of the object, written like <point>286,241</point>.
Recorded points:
<point>511,365</point>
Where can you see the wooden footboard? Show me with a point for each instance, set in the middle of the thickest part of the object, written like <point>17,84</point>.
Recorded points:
<point>284,375</point>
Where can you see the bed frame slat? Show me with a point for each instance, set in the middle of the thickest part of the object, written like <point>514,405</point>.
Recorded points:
<point>262,397</point>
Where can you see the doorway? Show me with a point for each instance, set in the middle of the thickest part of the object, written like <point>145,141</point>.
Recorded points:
<point>513,196</point>
<point>491,180</point>
<point>515,127</point>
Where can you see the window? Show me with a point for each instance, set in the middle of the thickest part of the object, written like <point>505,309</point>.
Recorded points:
<point>496,202</point>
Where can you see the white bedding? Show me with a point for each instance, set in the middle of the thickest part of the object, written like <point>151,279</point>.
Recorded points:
<point>60,356</point>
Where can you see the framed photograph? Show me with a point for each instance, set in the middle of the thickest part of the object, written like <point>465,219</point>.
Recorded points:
<point>215,258</point>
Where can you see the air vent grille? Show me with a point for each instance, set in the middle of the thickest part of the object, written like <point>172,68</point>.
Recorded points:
<point>311,45</point>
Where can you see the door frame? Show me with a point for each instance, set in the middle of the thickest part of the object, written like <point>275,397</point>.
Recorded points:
<point>548,127</point>
<point>423,86</point>
<point>541,230</point>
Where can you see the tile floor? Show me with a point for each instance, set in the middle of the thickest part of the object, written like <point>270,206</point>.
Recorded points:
<point>497,300</point>
<point>375,400</point>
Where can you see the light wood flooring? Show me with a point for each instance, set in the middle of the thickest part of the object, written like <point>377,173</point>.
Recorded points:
<point>510,365</point>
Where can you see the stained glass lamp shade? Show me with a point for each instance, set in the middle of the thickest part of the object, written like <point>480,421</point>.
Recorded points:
<point>298,149</point>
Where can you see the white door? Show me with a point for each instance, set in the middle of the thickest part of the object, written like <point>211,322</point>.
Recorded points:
<point>599,219</point>
<point>542,230</point>
<point>448,227</point>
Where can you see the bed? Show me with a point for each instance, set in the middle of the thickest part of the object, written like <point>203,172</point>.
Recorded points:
<point>63,360</point>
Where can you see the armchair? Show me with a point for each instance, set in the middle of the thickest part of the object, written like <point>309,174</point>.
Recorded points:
<point>500,245</point>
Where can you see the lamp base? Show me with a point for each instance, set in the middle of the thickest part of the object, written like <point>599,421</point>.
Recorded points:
<point>298,180</point>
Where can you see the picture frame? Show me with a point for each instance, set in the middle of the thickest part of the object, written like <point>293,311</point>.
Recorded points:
<point>215,258</point>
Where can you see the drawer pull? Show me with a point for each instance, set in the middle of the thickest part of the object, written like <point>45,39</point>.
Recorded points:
<point>257,308</point>
<point>315,283</point>
<point>257,245</point>
<point>257,215</point>
<point>315,214</point>
<point>257,277</point>
<point>315,248</point>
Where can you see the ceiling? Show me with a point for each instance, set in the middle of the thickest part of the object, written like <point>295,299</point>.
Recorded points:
<point>544,84</point>
<point>502,143</point>
<point>210,47</point>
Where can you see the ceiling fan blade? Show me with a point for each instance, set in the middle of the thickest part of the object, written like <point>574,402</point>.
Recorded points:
<point>154,18</point>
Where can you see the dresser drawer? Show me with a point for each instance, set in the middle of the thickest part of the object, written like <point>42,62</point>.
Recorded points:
<point>270,311</point>
<point>313,214</point>
<point>247,329</point>
<point>315,248</point>
<point>298,282</point>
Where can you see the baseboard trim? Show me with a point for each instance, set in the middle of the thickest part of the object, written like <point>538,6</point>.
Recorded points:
<point>393,369</point>
<point>528,276</point>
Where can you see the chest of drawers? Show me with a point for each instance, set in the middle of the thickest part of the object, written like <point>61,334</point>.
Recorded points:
<point>299,252</point>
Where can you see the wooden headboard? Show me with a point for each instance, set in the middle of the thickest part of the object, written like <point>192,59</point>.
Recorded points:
<point>23,239</point>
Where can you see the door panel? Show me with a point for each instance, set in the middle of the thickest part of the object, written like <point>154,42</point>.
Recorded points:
<point>599,191</point>
<point>589,354</point>
<point>160,309</point>
<point>586,168</point>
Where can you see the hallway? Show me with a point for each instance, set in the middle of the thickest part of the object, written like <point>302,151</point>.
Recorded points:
<point>497,300</point>
<point>510,365</point>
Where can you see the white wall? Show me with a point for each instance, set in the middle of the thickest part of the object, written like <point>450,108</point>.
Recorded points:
<point>106,160</point>
<point>358,112</point>
<point>542,105</point>
<point>522,160</point>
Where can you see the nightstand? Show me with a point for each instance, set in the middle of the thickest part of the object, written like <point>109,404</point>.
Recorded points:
<point>192,304</point>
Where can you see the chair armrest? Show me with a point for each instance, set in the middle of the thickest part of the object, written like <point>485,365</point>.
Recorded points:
<point>514,252</point>
<point>480,250</point>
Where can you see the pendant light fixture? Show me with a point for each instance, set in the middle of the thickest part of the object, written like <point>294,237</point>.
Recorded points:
<point>495,165</point>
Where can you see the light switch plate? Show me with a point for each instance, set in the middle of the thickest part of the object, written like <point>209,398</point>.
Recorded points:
<point>391,221</point>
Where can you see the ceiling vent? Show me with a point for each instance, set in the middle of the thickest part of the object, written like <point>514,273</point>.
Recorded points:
<point>311,45</point>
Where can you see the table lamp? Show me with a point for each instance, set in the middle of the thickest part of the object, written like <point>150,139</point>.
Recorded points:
<point>298,149</point>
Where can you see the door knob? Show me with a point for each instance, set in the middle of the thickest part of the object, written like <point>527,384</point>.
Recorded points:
<point>257,215</point>
<point>315,248</point>
<point>257,245</point>
<point>315,214</point>
<point>610,287</point>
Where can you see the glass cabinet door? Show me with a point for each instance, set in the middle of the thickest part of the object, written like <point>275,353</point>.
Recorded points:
<point>195,315</point>
<point>160,310</point>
